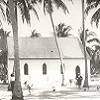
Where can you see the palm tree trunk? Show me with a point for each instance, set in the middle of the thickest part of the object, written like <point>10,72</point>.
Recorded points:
<point>59,51</point>
<point>84,45</point>
<point>17,94</point>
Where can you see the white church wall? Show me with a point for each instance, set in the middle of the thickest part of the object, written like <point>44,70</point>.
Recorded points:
<point>54,76</point>
<point>36,72</point>
<point>70,72</point>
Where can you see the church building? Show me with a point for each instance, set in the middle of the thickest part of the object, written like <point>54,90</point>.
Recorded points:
<point>40,61</point>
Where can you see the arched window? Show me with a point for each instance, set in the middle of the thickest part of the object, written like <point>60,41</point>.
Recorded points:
<point>44,69</point>
<point>77,70</point>
<point>26,69</point>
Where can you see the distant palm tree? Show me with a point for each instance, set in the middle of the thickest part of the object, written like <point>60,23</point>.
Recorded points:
<point>35,34</point>
<point>48,7</point>
<point>4,52</point>
<point>62,30</point>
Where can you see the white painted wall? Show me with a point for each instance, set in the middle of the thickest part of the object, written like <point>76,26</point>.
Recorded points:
<point>54,76</point>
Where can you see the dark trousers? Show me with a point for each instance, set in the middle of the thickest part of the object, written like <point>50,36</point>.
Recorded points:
<point>12,85</point>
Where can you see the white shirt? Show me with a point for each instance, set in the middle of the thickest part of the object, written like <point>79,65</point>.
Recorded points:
<point>12,79</point>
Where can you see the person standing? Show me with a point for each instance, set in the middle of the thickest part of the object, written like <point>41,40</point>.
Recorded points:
<point>79,80</point>
<point>29,85</point>
<point>12,81</point>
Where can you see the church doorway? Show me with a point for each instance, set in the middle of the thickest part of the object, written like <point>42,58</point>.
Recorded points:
<point>77,70</point>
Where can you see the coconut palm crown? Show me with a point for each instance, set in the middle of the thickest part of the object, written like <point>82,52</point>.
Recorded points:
<point>96,16</point>
<point>25,6</point>
<point>48,5</point>
<point>63,30</point>
<point>2,3</point>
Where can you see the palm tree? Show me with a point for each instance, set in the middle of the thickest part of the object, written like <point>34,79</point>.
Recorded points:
<point>94,51</point>
<point>35,34</point>
<point>62,30</point>
<point>93,4</point>
<point>91,42</point>
<point>96,16</point>
<point>95,60</point>
<point>84,45</point>
<point>4,52</point>
<point>88,48</point>
<point>48,7</point>
<point>24,6</point>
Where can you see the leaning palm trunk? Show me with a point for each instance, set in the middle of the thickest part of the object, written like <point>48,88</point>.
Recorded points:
<point>84,46</point>
<point>17,93</point>
<point>59,51</point>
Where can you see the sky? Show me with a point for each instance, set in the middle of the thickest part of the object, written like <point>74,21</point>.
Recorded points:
<point>43,25</point>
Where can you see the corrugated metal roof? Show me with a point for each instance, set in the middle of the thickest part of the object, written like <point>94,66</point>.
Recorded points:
<point>46,47</point>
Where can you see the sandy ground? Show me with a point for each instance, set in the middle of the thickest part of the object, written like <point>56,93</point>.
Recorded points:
<point>69,93</point>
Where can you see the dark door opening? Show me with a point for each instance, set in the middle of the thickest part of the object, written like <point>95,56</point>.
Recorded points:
<point>77,70</point>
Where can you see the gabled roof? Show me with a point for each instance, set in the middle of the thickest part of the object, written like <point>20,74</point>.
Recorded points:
<point>46,47</point>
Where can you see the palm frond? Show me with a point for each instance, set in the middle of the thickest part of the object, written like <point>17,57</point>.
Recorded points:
<point>89,7</point>
<point>7,33</point>
<point>33,1</point>
<point>92,1</point>
<point>91,34</point>
<point>89,50</point>
<point>3,1</point>
<point>47,6</point>
<point>40,1</point>
<point>0,23</point>
<point>62,30</point>
<point>23,6</point>
<point>2,10</point>
<point>66,29</point>
<point>8,13</point>
<point>91,4</point>
<point>96,17</point>
<point>61,4</point>
<point>61,25</point>
<point>21,9</point>
<point>31,7</point>
<point>44,6</point>
<point>92,40</point>
<point>69,27</point>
